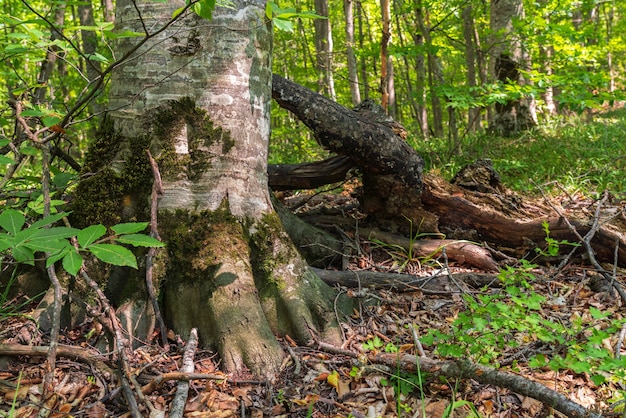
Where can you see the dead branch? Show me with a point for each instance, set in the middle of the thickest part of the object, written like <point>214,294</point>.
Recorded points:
<point>180,399</point>
<point>441,283</point>
<point>157,191</point>
<point>76,353</point>
<point>309,175</point>
<point>465,369</point>
<point>462,251</point>
<point>166,377</point>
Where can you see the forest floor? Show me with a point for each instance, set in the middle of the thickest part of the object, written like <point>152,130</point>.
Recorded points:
<point>315,381</point>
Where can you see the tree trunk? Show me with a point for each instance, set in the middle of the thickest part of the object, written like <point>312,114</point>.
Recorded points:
<point>384,54</point>
<point>197,96</point>
<point>473,114</point>
<point>435,77</point>
<point>324,50</point>
<point>353,75</point>
<point>509,59</point>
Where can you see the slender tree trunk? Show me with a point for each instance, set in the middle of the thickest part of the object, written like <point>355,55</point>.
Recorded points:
<point>324,50</point>
<point>473,114</point>
<point>509,57</point>
<point>47,66</point>
<point>362,61</point>
<point>353,75</point>
<point>384,53</point>
<point>197,96</point>
<point>435,77</point>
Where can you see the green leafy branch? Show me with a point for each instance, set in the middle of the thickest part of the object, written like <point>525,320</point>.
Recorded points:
<point>283,18</point>
<point>22,241</point>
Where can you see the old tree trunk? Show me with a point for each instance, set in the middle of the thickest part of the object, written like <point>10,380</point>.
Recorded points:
<point>197,95</point>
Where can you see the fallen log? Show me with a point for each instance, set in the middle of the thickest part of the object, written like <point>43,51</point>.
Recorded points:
<point>371,145</point>
<point>395,190</point>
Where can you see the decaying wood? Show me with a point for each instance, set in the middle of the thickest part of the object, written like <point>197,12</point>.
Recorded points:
<point>76,353</point>
<point>467,210</point>
<point>465,369</point>
<point>371,145</point>
<point>464,252</point>
<point>486,212</point>
<point>437,284</point>
<point>309,175</point>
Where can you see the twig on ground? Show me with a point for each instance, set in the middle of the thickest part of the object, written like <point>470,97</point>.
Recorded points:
<point>77,353</point>
<point>180,399</point>
<point>465,369</point>
<point>166,377</point>
<point>121,343</point>
<point>586,241</point>
<point>157,191</point>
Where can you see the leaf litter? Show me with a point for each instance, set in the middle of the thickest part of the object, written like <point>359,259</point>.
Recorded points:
<point>316,382</point>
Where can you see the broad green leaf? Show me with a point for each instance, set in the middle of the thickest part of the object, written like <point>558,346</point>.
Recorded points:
<point>26,150</point>
<point>46,245</point>
<point>57,232</point>
<point>72,262</point>
<point>25,236</point>
<point>55,256</point>
<point>12,221</point>
<point>48,220</point>
<point>15,49</point>
<point>177,12</point>
<point>129,228</point>
<point>114,254</point>
<point>283,24</point>
<point>3,140</point>
<point>49,121</point>
<point>6,160</point>
<point>139,240</point>
<point>33,112</point>
<point>123,34</point>
<point>204,8</point>
<point>89,235</point>
<point>23,255</point>
<point>98,57</point>
<point>6,242</point>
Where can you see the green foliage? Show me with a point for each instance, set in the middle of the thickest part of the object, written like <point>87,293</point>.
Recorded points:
<point>515,317</point>
<point>20,241</point>
<point>283,18</point>
<point>565,154</point>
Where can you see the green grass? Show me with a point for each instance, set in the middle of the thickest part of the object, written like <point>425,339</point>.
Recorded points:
<point>581,157</point>
<point>562,154</point>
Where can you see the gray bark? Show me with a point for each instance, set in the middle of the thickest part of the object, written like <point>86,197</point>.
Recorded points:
<point>508,59</point>
<point>197,95</point>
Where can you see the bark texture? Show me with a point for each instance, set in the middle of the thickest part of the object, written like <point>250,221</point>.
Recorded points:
<point>371,145</point>
<point>197,95</point>
<point>509,59</point>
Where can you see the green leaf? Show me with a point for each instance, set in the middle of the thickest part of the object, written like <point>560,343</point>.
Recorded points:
<point>129,228</point>
<point>177,12</point>
<point>72,262</point>
<point>23,255</point>
<point>283,24</point>
<point>89,235</point>
<point>204,8</point>
<point>139,240</point>
<point>114,254</point>
<point>49,121</point>
<point>12,221</point>
<point>6,160</point>
<point>48,220</point>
